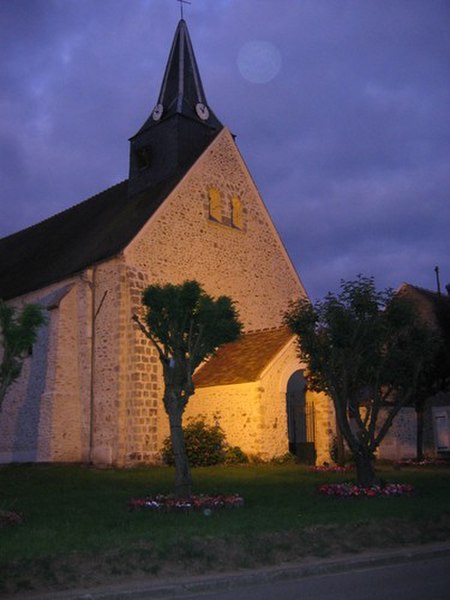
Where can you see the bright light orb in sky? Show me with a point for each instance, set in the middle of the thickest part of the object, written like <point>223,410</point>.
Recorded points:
<point>259,61</point>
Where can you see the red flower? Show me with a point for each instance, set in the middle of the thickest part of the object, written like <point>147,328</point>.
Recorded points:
<point>347,490</point>
<point>169,503</point>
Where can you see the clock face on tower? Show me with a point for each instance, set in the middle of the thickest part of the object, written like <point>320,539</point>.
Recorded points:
<point>202,111</point>
<point>157,112</point>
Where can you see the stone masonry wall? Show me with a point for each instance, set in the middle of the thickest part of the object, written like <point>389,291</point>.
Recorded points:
<point>144,380</point>
<point>272,388</point>
<point>43,417</point>
<point>236,408</point>
<point>274,411</point>
<point>110,367</point>
<point>325,425</point>
<point>61,409</point>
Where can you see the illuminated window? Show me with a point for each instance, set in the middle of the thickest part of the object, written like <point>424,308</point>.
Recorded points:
<point>236,212</point>
<point>215,204</point>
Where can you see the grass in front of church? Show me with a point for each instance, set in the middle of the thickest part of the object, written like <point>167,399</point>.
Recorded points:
<point>78,530</point>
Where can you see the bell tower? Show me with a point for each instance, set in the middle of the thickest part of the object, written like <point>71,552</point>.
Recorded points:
<point>181,125</point>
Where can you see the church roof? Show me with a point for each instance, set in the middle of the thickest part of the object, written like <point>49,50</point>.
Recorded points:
<point>70,241</point>
<point>244,360</point>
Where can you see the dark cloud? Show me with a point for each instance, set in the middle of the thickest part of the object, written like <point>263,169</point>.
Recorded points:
<point>349,143</point>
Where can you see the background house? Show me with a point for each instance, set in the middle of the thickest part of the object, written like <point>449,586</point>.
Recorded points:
<point>433,409</point>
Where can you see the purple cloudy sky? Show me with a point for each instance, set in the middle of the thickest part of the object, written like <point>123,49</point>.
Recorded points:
<point>341,110</point>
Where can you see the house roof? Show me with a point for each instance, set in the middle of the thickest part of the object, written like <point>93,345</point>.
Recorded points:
<point>434,307</point>
<point>244,360</point>
<point>70,241</point>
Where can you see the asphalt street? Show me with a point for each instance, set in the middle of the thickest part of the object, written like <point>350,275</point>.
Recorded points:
<point>407,573</point>
<point>407,581</point>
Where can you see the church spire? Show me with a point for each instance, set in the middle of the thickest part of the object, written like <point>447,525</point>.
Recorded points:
<point>180,126</point>
<point>182,89</point>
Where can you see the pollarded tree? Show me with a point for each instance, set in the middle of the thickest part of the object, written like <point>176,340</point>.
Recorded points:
<point>17,334</point>
<point>185,325</point>
<point>367,350</point>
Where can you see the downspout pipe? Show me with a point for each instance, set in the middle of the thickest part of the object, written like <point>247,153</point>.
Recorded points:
<point>94,314</point>
<point>92,366</point>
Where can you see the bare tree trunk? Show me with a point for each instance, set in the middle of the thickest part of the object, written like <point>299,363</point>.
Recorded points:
<point>365,472</point>
<point>340,450</point>
<point>4,386</point>
<point>419,432</point>
<point>183,479</point>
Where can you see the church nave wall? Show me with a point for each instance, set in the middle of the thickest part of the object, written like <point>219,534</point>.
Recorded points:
<point>44,415</point>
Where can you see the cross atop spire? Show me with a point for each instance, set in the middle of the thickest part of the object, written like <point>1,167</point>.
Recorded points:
<point>181,6</point>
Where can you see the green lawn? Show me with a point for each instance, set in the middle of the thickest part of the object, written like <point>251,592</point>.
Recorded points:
<point>77,525</point>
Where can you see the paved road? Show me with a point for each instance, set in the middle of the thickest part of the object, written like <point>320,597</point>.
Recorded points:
<point>428,580</point>
<point>409,573</point>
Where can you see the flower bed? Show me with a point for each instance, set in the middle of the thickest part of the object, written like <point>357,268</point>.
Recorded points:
<point>348,490</point>
<point>426,462</point>
<point>170,503</point>
<point>331,469</point>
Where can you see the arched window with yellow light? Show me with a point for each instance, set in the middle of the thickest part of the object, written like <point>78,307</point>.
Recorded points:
<point>236,212</point>
<point>215,204</point>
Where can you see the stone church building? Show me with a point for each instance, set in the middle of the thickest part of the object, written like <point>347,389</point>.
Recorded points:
<point>91,387</point>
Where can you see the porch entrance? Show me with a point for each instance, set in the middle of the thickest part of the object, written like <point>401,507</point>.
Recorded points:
<point>300,420</point>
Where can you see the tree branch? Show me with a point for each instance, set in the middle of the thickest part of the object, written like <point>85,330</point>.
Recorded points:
<point>163,356</point>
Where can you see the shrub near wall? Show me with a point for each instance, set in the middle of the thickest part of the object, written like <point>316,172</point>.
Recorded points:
<point>206,445</point>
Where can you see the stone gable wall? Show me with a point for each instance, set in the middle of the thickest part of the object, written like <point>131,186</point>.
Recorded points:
<point>181,241</point>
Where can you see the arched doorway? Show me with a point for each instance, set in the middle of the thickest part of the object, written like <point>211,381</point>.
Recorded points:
<point>300,420</point>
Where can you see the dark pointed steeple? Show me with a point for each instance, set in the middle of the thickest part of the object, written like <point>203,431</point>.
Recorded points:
<point>180,126</point>
<point>182,89</point>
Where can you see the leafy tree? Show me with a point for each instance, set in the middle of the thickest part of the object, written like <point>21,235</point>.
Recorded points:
<point>185,325</point>
<point>17,334</point>
<point>367,350</point>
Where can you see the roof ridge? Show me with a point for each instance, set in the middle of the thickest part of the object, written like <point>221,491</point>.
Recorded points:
<point>275,328</point>
<point>66,210</point>
<point>426,290</point>
<point>418,287</point>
